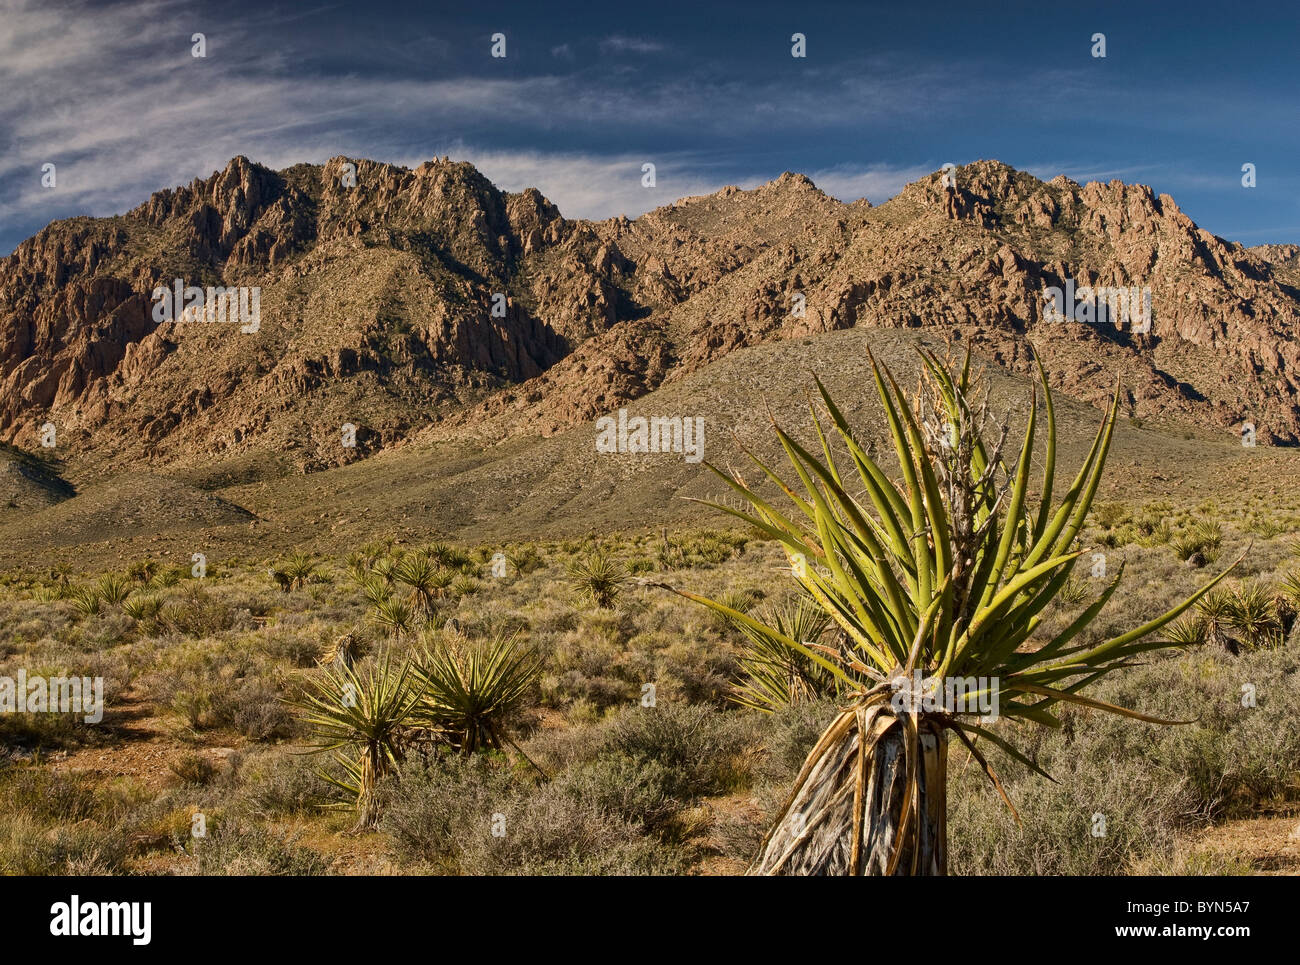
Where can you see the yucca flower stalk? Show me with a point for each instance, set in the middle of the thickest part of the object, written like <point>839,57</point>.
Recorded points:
<point>363,710</point>
<point>942,575</point>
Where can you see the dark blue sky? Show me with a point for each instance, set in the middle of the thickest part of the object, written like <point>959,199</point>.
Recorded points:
<point>1187,94</point>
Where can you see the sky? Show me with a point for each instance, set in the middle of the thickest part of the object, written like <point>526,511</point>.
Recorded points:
<point>1188,92</point>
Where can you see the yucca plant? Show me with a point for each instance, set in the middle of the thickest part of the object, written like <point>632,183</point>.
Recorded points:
<point>1252,612</point>
<point>375,590</point>
<point>62,573</point>
<point>114,588</point>
<point>465,585</point>
<point>86,601</point>
<point>1074,592</point>
<point>299,568</point>
<point>383,569</point>
<point>168,576</point>
<point>741,600</point>
<point>1187,632</point>
<point>357,565</point>
<point>937,579</point>
<point>1214,612</point>
<point>471,688</point>
<point>142,609</point>
<point>363,711</point>
<point>1290,588</point>
<point>524,559</point>
<point>420,573</point>
<point>598,578</point>
<point>344,652</point>
<point>442,580</point>
<point>142,571</point>
<point>1202,540</point>
<point>394,616</point>
<point>775,675</point>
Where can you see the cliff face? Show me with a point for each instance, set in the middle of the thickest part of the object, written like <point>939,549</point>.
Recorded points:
<point>428,298</point>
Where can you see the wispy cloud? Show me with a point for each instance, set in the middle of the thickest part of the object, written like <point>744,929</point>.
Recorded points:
<point>875,182</point>
<point>598,186</point>
<point>119,125</point>
<point>110,94</point>
<point>619,44</point>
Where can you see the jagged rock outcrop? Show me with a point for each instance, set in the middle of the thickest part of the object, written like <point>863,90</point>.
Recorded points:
<point>426,300</point>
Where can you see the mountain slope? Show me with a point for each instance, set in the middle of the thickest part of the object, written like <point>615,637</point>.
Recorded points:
<point>530,487</point>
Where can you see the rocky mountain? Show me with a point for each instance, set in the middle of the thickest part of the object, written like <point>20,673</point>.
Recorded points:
<point>428,306</point>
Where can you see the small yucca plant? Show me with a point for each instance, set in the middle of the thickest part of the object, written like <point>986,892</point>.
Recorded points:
<point>142,609</point>
<point>167,576</point>
<point>466,585</point>
<point>421,574</point>
<point>1252,612</point>
<point>1185,633</point>
<point>86,601</point>
<point>357,565</point>
<point>598,578</point>
<point>375,589</point>
<point>1289,588</point>
<point>299,567</point>
<point>114,588</point>
<point>775,675</point>
<point>142,571</point>
<point>943,576</point>
<point>361,715</point>
<point>472,688</point>
<point>524,559</point>
<point>1214,612</point>
<point>344,652</point>
<point>394,616</point>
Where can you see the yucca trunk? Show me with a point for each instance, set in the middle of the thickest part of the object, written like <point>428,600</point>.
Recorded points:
<point>854,811</point>
<point>370,768</point>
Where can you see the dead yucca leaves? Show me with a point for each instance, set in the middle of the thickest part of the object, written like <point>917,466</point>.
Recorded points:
<point>942,576</point>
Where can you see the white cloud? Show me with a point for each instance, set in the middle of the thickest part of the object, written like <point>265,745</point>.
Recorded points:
<point>875,182</point>
<point>595,187</point>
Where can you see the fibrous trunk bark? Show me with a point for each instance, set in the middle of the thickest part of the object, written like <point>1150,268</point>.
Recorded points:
<point>849,812</point>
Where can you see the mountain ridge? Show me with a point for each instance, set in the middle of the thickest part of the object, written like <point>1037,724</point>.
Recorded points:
<point>377,305</point>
